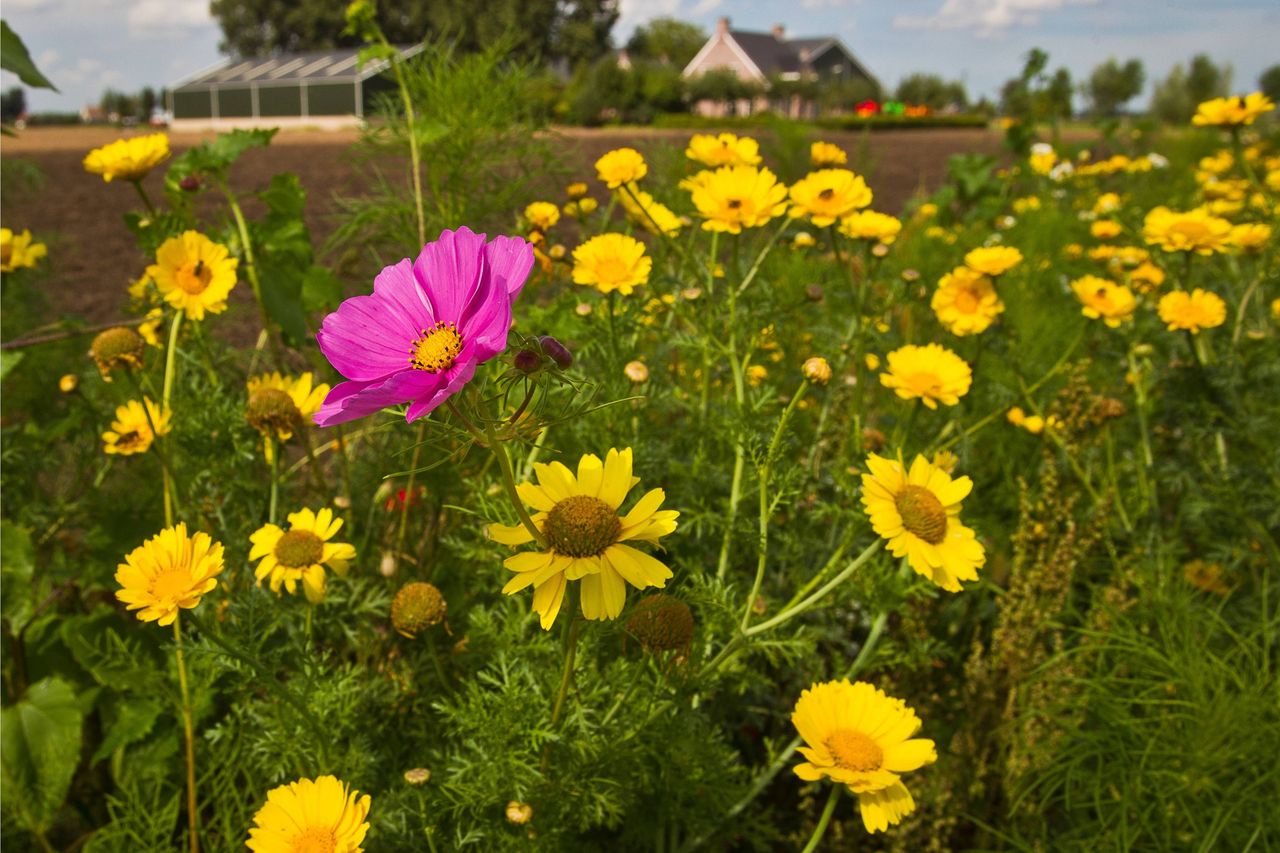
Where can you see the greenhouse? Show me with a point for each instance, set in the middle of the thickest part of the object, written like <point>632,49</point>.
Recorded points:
<point>319,89</point>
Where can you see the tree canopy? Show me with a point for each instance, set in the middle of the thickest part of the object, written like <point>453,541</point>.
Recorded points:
<point>1111,85</point>
<point>570,30</point>
<point>668,41</point>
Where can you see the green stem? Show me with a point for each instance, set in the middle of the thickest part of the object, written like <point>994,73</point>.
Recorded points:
<point>188,732</point>
<point>499,450</point>
<point>408,489</point>
<point>821,829</point>
<point>415,157</point>
<point>151,208</point>
<point>274,500</point>
<point>764,253</point>
<point>166,393</point>
<point>766,468</point>
<point>566,677</point>
<point>251,270</point>
<point>822,592</point>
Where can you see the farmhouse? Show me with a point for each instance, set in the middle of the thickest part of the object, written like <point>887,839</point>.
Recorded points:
<point>769,62</point>
<point>321,89</point>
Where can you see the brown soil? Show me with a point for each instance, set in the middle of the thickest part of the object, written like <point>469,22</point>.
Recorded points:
<point>92,256</point>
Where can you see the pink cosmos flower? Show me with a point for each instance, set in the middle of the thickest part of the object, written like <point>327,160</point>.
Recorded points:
<point>418,337</point>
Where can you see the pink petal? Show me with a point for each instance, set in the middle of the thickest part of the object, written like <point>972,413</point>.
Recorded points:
<point>449,270</point>
<point>351,400</point>
<point>509,260</point>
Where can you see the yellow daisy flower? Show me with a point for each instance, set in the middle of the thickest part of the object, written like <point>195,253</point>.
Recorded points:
<point>311,815</point>
<point>966,302</point>
<point>19,250</point>
<point>931,372</point>
<point>128,159</point>
<point>611,262</point>
<point>301,553</point>
<point>1104,300</point>
<point>194,274</point>
<point>651,215</point>
<point>621,166</point>
<point>171,570</point>
<point>585,536</point>
<point>861,738</point>
<point>576,190</point>
<point>1250,237</point>
<point>1192,311</point>
<point>1105,229</point>
<point>993,260</point>
<point>825,154</point>
<point>736,197</point>
<point>279,405</point>
<point>131,431</point>
<point>1106,203</point>
<point>1191,231</point>
<point>827,195</point>
<point>1235,111</point>
<point>1146,277</point>
<point>149,328</point>
<point>870,225</point>
<point>727,149</point>
<point>542,215</point>
<point>917,512</point>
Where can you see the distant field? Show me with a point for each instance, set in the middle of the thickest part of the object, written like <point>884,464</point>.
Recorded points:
<point>92,257</point>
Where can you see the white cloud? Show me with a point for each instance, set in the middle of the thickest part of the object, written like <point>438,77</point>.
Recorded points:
<point>703,7</point>
<point>167,18</point>
<point>986,17</point>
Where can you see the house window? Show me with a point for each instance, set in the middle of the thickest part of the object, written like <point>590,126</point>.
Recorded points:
<point>837,70</point>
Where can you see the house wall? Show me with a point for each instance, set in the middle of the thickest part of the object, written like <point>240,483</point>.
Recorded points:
<point>721,55</point>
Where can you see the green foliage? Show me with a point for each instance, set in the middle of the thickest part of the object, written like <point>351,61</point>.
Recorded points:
<point>932,91</point>
<point>15,58</point>
<point>1111,85</point>
<point>1269,82</point>
<point>41,739</point>
<point>1177,95</point>
<point>668,41</point>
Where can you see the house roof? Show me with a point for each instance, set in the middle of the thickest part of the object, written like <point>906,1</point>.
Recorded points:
<point>341,65</point>
<point>771,54</point>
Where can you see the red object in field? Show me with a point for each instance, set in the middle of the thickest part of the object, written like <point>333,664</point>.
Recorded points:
<point>916,110</point>
<point>867,108</point>
<point>397,501</point>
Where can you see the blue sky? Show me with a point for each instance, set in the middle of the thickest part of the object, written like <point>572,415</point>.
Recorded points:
<point>85,46</point>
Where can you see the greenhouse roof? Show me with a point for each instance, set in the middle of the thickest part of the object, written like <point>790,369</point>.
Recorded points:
<point>328,66</point>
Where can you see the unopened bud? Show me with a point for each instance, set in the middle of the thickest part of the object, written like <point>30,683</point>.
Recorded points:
<point>557,352</point>
<point>817,371</point>
<point>813,292</point>
<point>636,372</point>
<point>527,361</point>
<point>519,813</point>
<point>417,777</point>
<point>416,607</point>
<point>387,566</point>
<point>68,383</point>
<point>189,184</point>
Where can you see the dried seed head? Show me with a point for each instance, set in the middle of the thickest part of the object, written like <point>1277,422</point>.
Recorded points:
<point>118,348</point>
<point>416,607</point>
<point>661,623</point>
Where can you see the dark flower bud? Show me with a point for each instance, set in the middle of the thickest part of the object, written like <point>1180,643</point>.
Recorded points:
<point>813,292</point>
<point>556,351</point>
<point>189,184</point>
<point>527,361</point>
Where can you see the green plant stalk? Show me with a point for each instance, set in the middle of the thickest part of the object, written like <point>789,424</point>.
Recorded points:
<point>499,450</point>
<point>408,489</point>
<point>274,500</point>
<point>739,460</point>
<point>415,155</point>
<point>251,270</point>
<point>166,474</point>
<point>822,592</point>
<point>170,369</point>
<point>1147,480</point>
<point>142,193</point>
<point>821,829</point>
<point>188,732</point>
<point>566,677</point>
<point>766,469</point>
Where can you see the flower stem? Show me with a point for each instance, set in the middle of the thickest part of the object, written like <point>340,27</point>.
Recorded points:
<point>170,369</point>
<point>415,157</point>
<point>274,453</point>
<point>188,731</point>
<point>251,270</point>
<point>566,678</point>
<point>795,610</point>
<point>766,468</point>
<point>821,829</point>
<point>508,480</point>
<point>151,208</point>
<point>408,489</point>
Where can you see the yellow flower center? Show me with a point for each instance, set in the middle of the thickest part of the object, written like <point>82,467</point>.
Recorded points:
<point>611,270</point>
<point>315,840</point>
<point>581,526</point>
<point>437,348</point>
<point>140,437</point>
<point>855,751</point>
<point>1190,230</point>
<point>171,584</point>
<point>193,276</point>
<point>924,382</point>
<point>298,549</point>
<point>966,301</point>
<point>734,203</point>
<point>273,410</point>
<point>922,513</point>
<point>827,194</point>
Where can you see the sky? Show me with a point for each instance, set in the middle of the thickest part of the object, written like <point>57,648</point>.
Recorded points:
<point>85,46</point>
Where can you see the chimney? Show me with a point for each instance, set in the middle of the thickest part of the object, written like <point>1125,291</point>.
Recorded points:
<point>722,26</point>
<point>779,32</point>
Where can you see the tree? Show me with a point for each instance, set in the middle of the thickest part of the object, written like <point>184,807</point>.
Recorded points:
<point>1112,85</point>
<point>1269,82</point>
<point>932,91</point>
<point>572,30</point>
<point>1057,95</point>
<point>667,41</point>
<point>13,103</point>
<point>1176,96</point>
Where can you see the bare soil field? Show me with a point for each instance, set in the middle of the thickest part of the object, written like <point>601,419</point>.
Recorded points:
<point>92,256</point>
